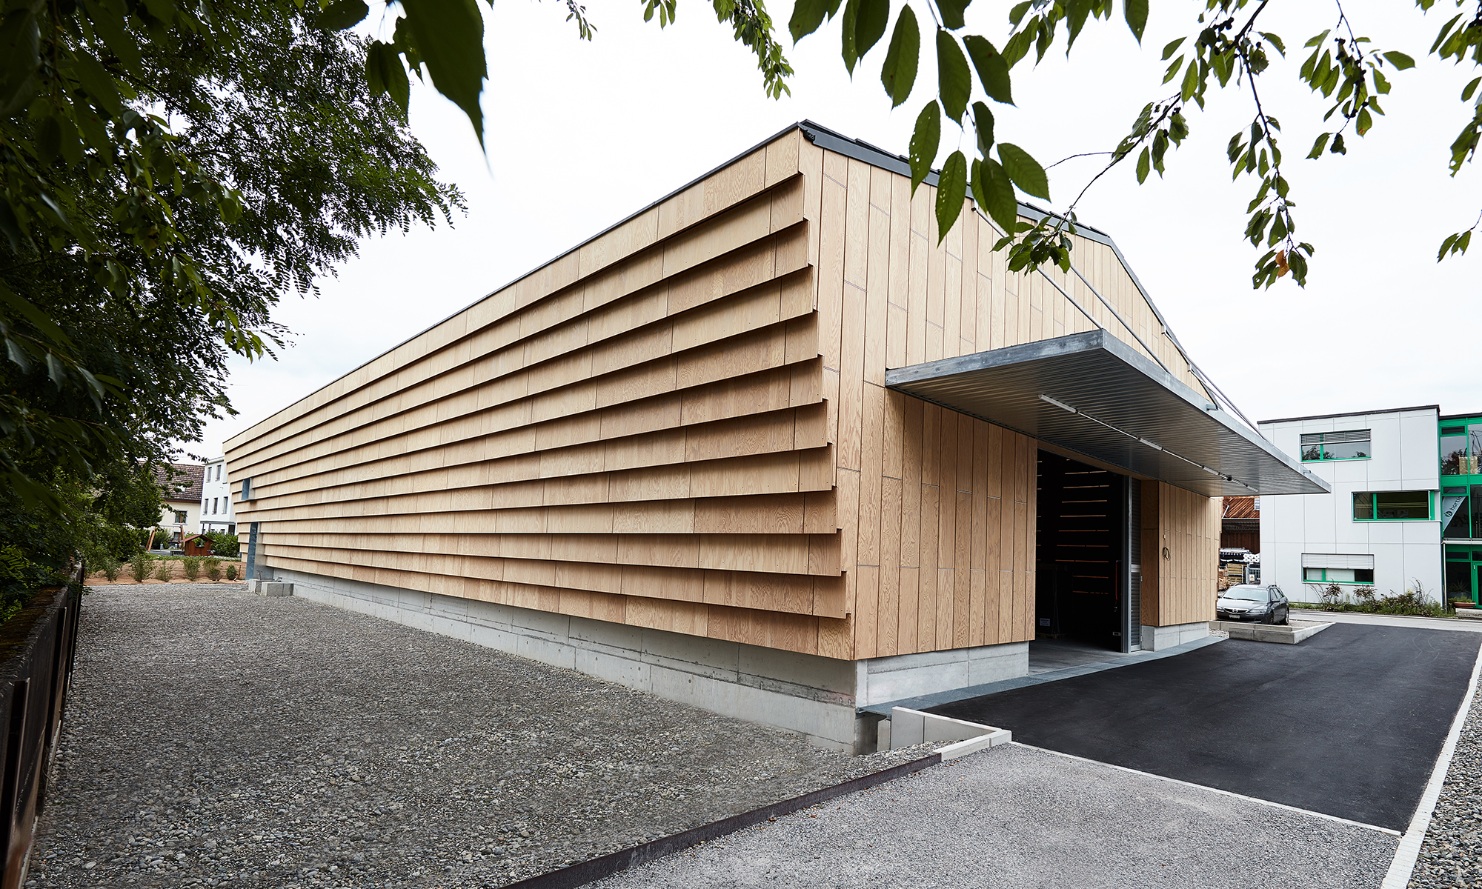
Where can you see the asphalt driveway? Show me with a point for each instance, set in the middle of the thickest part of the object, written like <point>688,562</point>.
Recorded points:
<point>1349,723</point>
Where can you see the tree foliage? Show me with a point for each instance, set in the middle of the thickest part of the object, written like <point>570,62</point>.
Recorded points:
<point>169,170</point>
<point>1229,44</point>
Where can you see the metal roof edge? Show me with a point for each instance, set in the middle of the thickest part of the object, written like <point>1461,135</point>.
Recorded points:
<point>1101,338</point>
<point>1392,410</point>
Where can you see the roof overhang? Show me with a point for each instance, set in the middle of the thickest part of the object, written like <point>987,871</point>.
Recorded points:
<point>1094,395</point>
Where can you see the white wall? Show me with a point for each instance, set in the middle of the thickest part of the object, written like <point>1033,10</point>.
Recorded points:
<point>1406,455</point>
<point>216,498</point>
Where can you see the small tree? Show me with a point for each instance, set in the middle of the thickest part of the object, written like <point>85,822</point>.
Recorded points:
<point>110,570</point>
<point>192,566</point>
<point>139,566</point>
<point>164,570</point>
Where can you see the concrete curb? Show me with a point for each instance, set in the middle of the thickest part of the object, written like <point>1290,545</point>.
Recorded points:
<point>1286,634</point>
<point>907,727</point>
<point>1469,613</point>
<point>614,862</point>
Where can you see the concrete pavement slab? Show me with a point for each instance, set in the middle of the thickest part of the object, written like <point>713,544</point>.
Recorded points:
<point>1021,817</point>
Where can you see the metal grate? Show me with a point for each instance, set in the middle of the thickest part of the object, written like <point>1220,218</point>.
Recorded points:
<point>1350,437</point>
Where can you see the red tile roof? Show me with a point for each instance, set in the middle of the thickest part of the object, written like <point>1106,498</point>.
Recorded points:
<point>184,481</point>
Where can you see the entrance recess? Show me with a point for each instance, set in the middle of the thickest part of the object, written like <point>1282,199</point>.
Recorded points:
<point>1081,568</point>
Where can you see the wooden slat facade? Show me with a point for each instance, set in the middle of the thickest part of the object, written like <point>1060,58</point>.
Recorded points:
<point>682,425</point>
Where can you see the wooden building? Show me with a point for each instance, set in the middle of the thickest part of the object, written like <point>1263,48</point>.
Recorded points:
<point>768,447</point>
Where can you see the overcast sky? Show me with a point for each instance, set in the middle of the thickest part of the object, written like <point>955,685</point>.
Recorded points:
<point>581,135</point>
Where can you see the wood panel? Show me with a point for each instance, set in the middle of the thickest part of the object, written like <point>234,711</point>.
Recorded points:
<point>1180,558</point>
<point>640,431</point>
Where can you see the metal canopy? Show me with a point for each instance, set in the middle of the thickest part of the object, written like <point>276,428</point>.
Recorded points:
<point>1092,394</point>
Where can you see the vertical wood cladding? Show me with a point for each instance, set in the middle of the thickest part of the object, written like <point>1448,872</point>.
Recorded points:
<point>682,424</point>
<point>1180,555</point>
<point>938,508</point>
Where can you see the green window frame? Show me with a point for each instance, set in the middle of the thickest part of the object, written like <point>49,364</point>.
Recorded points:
<point>1386,506</point>
<point>1331,447</point>
<point>1320,575</point>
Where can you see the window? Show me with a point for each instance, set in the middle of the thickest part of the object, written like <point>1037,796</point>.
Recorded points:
<point>1323,446</point>
<point>1392,506</point>
<point>1338,568</point>
<point>246,489</point>
<point>179,516</point>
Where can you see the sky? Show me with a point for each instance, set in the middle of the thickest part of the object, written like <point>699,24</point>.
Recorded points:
<point>581,135</point>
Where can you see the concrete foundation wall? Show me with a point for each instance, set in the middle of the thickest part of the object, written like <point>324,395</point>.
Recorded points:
<point>885,679</point>
<point>1159,638</point>
<point>803,693</point>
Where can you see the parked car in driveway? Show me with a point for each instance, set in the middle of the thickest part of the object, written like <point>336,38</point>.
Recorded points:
<point>1249,601</point>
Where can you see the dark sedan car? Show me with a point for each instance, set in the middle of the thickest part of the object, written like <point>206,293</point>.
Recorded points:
<point>1249,601</point>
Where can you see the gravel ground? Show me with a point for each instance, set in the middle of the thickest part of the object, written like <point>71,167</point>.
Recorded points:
<point>1018,817</point>
<point>219,739</point>
<point>1451,854</point>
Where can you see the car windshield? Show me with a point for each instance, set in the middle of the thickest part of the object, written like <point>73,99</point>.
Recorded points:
<point>1246,593</point>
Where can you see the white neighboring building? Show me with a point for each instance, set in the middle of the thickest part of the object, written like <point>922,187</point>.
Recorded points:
<point>1381,525</point>
<point>216,499</point>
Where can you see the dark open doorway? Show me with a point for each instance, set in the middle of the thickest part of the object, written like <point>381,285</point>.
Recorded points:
<point>1081,547</point>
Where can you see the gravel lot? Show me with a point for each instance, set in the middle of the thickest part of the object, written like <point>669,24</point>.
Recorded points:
<point>1017,817</point>
<point>1452,852</point>
<point>220,739</point>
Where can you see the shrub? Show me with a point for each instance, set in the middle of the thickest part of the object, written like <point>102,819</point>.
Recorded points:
<point>1330,594</point>
<point>213,568</point>
<point>192,566</point>
<point>164,570</point>
<point>224,545</point>
<point>1415,600</point>
<point>231,570</point>
<point>110,570</point>
<point>139,566</point>
<point>1364,594</point>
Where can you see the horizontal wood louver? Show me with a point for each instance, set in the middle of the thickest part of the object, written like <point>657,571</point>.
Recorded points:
<point>635,433</point>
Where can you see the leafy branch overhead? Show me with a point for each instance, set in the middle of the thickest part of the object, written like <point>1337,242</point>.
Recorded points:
<point>1229,44</point>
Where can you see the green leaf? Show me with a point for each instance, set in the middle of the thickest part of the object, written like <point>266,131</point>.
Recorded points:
<point>1470,89</point>
<point>954,80</point>
<point>1024,170</point>
<point>1399,60</point>
<point>386,74</point>
<point>1137,17</point>
<point>995,194</point>
<point>993,69</point>
<point>951,191</point>
<point>807,17</point>
<point>925,140</point>
<point>1172,47</point>
<point>1319,146</point>
<point>899,73</point>
<point>1144,163</point>
<point>874,16</point>
<point>98,82</point>
<point>952,11</point>
<point>983,127</point>
<point>1191,80</point>
<point>449,39</point>
<point>341,14</point>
